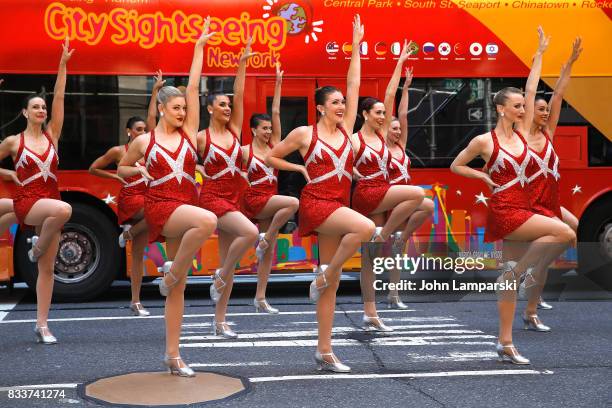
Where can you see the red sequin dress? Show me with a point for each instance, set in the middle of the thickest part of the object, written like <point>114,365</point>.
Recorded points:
<point>509,206</point>
<point>399,169</point>
<point>131,196</point>
<point>374,167</point>
<point>263,182</point>
<point>330,172</point>
<point>222,185</point>
<point>544,183</point>
<point>173,182</point>
<point>38,176</point>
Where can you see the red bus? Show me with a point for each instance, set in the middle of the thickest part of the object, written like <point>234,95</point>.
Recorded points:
<point>466,53</point>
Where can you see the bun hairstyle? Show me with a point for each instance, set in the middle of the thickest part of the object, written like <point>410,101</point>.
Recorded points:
<point>132,121</point>
<point>257,118</point>
<point>367,104</point>
<point>501,96</point>
<point>27,99</point>
<point>166,93</point>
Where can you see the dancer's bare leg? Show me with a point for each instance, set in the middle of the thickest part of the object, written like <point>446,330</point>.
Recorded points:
<point>236,235</point>
<point>139,225</point>
<point>279,209</point>
<point>420,215</point>
<point>548,238</point>
<point>51,215</point>
<point>366,277</point>
<point>7,214</point>
<point>139,243</point>
<point>185,231</point>
<point>340,236</point>
<point>263,268</point>
<point>45,279</point>
<point>569,218</point>
<point>402,201</point>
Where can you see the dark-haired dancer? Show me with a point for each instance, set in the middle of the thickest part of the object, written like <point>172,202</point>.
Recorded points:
<point>324,210</point>
<point>131,196</point>
<point>544,184</point>
<point>37,202</point>
<point>170,207</point>
<point>219,147</point>
<point>387,205</point>
<point>510,216</point>
<point>261,200</point>
<point>399,174</point>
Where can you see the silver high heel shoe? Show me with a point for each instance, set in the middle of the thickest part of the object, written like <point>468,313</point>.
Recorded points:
<point>395,302</point>
<point>33,240</point>
<point>533,322</point>
<point>178,369</point>
<point>376,234</point>
<point>139,310</point>
<point>315,291</point>
<point>375,324</point>
<point>335,365</point>
<point>223,329</point>
<point>543,305</point>
<point>215,294</point>
<point>163,288</point>
<point>398,244</point>
<point>264,306</point>
<point>509,353</point>
<point>527,281</point>
<point>126,231</point>
<point>44,336</point>
<point>259,251</point>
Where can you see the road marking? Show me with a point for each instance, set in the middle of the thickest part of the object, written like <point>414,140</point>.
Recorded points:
<point>205,328</point>
<point>454,356</point>
<point>390,341</point>
<point>336,330</point>
<point>399,375</point>
<point>38,386</point>
<point>210,315</point>
<point>9,304</point>
<point>246,364</point>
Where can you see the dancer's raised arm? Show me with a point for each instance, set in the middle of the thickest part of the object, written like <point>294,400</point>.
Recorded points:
<point>402,109</point>
<point>532,82</point>
<point>235,122</point>
<point>152,111</point>
<point>561,86</point>
<point>57,112</point>
<point>276,101</point>
<point>192,95</point>
<point>353,78</point>
<point>392,86</point>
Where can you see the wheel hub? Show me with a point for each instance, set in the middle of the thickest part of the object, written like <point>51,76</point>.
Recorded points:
<point>78,254</point>
<point>605,240</point>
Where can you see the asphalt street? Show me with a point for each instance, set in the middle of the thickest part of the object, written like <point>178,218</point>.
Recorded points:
<point>441,353</point>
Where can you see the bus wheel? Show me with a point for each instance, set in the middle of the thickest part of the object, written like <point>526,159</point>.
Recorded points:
<point>595,243</point>
<point>88,258</point>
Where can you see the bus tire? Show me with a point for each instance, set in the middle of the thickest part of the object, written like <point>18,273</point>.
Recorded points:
<point>595,243</point>
<point>88,258</point>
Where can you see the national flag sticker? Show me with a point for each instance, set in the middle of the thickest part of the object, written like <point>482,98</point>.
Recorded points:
<point>492,49</point>
<point>444,49</point>
<point>476,49</point>
<point>396,48</point>
<point>332,48</point>
<point>428,48</point>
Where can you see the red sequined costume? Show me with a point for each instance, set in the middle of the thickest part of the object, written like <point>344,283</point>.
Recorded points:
<point>330,172</point>
<point>544,183</point>
<point>131,196</point>
<point>222,185</point>
<point>399,169</point>
<point>374,167</point>
<point>38,176</point>
<point>509,206</point>
<point>263,182</point>
<point>173,182</point>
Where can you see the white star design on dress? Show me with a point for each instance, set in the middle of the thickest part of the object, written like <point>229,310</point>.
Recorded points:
<point>481,198</point>
<point>109,199</point>
<point>458,192</point>
<point>576,189</point>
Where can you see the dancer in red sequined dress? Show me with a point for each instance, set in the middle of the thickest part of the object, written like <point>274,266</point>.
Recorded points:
<point>219,148</point>
<point>170,208</point>
<point>510,216</point>
<point>544,183</point>
<point>387,205</point>
<point>261,200</point>
<point>36,201</point>
<point>131,198</point>
<point>327,153</point>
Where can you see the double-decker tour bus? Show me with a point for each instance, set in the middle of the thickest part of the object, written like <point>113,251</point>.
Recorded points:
<point>467,50</point>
